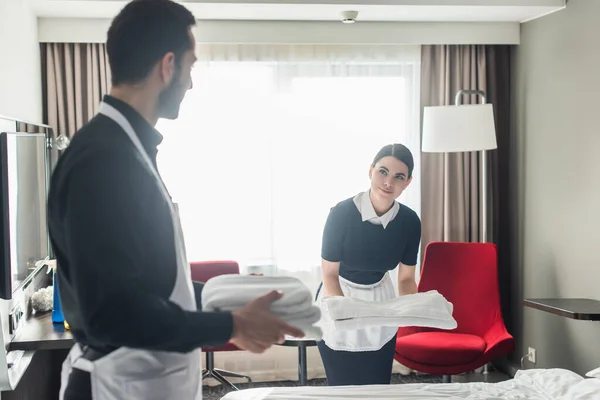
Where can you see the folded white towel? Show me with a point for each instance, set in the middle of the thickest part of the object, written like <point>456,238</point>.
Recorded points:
<point>232,292</point>
<point>429,309</point>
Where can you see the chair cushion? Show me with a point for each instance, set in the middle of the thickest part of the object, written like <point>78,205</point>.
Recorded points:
<point>225,347</point>
<point>440,348</point>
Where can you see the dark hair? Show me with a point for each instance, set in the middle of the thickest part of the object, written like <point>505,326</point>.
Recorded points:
<point>400,152</point>
<point>142,33</point>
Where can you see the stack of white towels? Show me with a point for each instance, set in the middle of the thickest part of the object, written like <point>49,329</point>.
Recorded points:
<point>428,309</point>
<point>296,307</point>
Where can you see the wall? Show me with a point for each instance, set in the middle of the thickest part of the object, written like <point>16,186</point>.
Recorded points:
<point>20,74</point>
<point>556,170</point>
<point>300,32</point>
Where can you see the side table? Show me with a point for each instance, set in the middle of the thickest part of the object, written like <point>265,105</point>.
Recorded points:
<point>575,308</point>
<point>301,344</point>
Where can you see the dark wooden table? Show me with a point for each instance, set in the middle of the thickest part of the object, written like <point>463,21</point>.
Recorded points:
<point>301,344</point>
<point>39,333</point>
<point>575,308</point>
<point>51,343</point>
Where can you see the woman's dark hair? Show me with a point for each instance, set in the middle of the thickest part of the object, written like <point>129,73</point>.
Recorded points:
<point>142,33</point>
<point>400,152</point>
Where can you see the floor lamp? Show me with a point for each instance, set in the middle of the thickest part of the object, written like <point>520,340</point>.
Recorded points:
<point>462,128</point>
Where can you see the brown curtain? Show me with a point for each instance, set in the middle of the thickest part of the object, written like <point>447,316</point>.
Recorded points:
<point>75,77</point>
<point>451,197</point>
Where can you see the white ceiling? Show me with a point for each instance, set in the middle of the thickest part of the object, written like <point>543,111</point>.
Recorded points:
<point>324,10</point>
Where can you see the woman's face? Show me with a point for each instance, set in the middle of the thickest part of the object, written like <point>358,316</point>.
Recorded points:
<point>389,178</point>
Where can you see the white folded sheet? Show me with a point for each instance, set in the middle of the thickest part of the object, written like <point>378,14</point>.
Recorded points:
<point>232,292</point>
<point>429,309</point>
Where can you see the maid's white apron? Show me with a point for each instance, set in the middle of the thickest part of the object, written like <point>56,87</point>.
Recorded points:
<point>366,339</point>
<point>128,373</point>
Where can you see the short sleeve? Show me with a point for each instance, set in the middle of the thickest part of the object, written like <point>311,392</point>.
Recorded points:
<point>333,236</point>
<point>413,240</point>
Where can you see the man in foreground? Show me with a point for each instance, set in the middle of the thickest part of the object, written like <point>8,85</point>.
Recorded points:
<point>122,271</point>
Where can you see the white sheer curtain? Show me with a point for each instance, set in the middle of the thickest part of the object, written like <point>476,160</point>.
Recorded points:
<point>270,138</point>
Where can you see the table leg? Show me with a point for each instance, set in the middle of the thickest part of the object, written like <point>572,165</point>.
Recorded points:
<point>302,369</point>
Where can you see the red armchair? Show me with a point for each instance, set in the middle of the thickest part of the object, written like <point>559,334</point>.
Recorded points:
<point>466,275</point>
<point>202,271</point>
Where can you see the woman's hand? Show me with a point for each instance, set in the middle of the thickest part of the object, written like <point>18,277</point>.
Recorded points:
<point>331,278</point>
<point>333,292</point>
<point>406,280</point>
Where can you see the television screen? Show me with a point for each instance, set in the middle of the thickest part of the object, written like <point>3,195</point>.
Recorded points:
<point>23,180</point>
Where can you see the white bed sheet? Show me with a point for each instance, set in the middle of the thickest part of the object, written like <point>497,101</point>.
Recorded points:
<point>534,384</point>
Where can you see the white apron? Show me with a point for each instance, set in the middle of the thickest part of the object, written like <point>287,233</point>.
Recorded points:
<point>129,373</point>
<point>366,339</point>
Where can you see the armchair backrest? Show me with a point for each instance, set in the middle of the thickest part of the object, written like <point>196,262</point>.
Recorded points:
<point>202,271</point>
<point>466,275</point>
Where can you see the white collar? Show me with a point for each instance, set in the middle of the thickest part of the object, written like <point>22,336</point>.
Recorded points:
<point>367,212</point>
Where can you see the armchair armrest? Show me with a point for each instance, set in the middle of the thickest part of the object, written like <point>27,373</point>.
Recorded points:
<point>497,336</point>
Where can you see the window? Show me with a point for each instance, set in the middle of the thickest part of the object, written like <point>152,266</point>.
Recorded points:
<point>263,149</point>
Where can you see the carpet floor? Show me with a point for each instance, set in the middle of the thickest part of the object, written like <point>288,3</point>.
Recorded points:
<point>216,392</point>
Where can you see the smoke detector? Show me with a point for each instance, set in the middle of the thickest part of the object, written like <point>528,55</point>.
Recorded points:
<point>349,17</point>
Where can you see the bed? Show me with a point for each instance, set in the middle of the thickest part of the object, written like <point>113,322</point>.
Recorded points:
<point>534,384</point>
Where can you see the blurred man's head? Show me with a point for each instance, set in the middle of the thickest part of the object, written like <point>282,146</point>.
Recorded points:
<point>150,44</point>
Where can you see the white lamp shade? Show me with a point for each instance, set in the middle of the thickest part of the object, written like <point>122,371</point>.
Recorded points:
<point>468,127</point>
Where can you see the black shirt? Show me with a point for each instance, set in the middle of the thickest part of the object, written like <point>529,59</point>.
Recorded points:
<point>112,232</point>
<point>367,251</point>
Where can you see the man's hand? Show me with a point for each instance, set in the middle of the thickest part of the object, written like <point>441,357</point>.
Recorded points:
<point>255,328</point>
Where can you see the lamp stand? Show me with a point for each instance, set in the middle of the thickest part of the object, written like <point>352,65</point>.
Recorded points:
<point>483,166</point>
<point>486,369</point>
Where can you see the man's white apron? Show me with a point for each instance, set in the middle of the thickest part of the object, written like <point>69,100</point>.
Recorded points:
<point>129,373</point>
